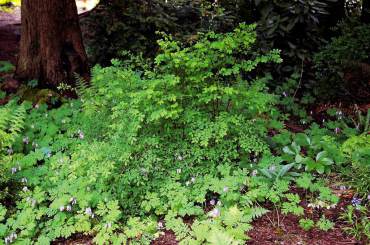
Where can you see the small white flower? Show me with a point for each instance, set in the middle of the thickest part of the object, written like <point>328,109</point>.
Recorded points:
<point>88,211</point>
<point>26,140</point>
<point>13,236</point>
<point>212,202</point>
<point>108,225</point>
<point>63,121</point>
<point>226,189</point>
<point>69,208</point>
<point>160,225</point>
<point>219,203</point>
<point>192,179</point>
<point>180,158</point>
<point>25,189</point>
<point>37,106</point>
<point>254,172</point>
<point>10,151</point>
<point>187,183</point>
<point>13,170</point>
<point>285,94</point>
<point>215,213</point>
<point>61,208</point>
<point>178,170</point>
<point>73,201</point>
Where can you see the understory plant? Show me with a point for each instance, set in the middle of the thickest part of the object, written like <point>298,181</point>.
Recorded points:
<point>160,142</point>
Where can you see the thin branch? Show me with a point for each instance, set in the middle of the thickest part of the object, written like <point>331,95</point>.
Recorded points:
<point>300,79</point>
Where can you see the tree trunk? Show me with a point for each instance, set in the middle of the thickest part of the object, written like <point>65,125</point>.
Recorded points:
<point>51,48</point>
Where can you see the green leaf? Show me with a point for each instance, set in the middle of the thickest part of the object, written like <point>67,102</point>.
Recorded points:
<point>298,158</point>
<point>320,155</point>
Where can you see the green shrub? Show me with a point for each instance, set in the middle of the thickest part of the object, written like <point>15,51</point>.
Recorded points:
<point>159,141</point>
<point>357,152</point>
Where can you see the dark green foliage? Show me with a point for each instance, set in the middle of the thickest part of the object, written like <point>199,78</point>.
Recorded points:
<point>343,68</point>
<point>132,25</point>
<point>293,27</point>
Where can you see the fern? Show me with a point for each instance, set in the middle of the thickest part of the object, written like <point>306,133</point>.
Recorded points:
<point>11,124</point>
<point>83,89</point>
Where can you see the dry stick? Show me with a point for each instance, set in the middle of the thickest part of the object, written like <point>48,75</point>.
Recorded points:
<point>268,217</point>
<point>300,79</point>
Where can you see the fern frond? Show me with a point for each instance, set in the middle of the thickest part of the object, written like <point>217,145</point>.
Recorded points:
<point>82,87</point>
<point>17,121</point>
<point>11,124</point>
<point>4,118</point>
<point>255,213</point>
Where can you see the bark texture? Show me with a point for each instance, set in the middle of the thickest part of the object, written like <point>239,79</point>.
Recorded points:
<point>51,47</point>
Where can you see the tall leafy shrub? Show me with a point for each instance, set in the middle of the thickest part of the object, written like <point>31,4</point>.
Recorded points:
<point>118,152</point>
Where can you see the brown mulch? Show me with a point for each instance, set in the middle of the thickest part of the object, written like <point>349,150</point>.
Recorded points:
<point>78,239</point>
<point>265,232</point>
<point>168,238</point>
<point>289,232</point>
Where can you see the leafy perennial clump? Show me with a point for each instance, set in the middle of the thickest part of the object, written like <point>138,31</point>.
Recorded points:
<point>161,140</point>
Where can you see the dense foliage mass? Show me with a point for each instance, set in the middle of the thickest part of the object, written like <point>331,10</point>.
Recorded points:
<point>166,141</point>
<point>193,133</point>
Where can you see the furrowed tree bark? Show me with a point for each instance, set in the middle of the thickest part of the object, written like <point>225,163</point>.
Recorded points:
<point>51,47</point>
